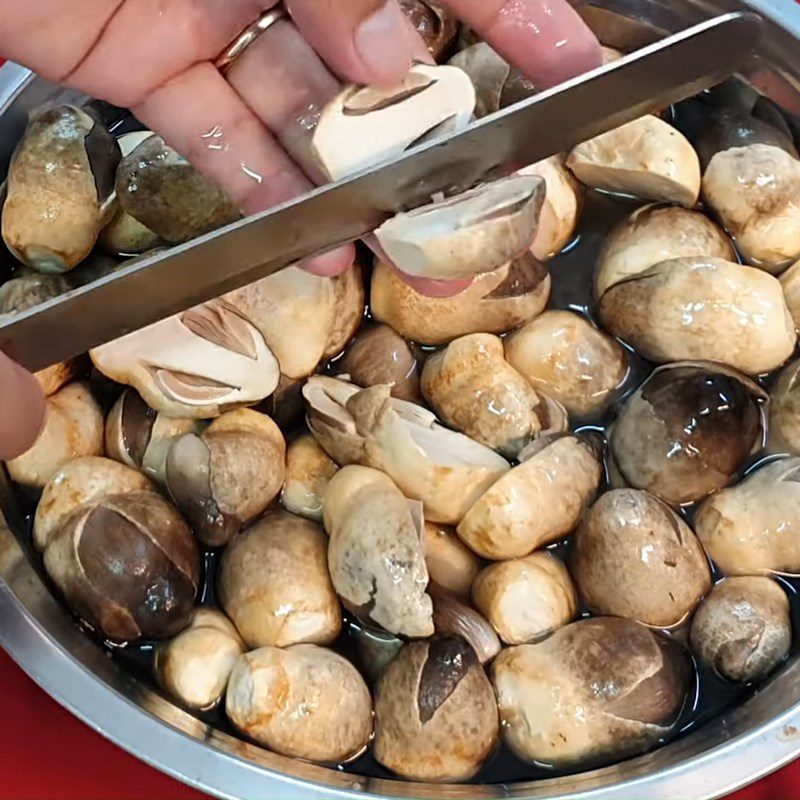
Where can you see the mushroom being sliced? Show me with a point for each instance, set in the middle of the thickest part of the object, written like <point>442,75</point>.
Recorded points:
<point>646,158</point>
<point>784,412</point>
<point>437,26</point>
<point>466,235</point>
<point>195,364</point>
<point>308,472</point>
<point>365,125</point>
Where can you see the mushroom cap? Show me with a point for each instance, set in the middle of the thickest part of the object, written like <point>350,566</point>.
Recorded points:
<point>375,552</point>
<point>738,315</point>
<point>60,177</point>
<point>435,712</point>
<point>194,667</point>
<point>553,712</point>
<point>688,430</point>
<point>566,357</point>
<point>752,528</point>
<point>495,302</point>
<point>790,283</point>
<point>303,701</point>
<point>330,422</point>
<point>634,557</point>
<point>538,502</point>
<point>127,564</point>
<point>273,582</point>
<point>784,412</point>
<point>349,304</point>
<point>73,428</point>
<point>451,564</point>
<point>452,617</point>
<point>194,365</point>
<point>437,26</point>
<point>657,233</point>
<point>468,234</point>
<point>743,629</point>
<point>365,125</point>
<point>646,158</point>
<point>308,472</point>
<point>526,599</point>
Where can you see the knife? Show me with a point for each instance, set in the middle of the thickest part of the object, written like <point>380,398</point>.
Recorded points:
<point>552,121</point>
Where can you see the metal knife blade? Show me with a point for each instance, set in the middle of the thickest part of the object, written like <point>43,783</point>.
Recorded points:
<point>550,122</point>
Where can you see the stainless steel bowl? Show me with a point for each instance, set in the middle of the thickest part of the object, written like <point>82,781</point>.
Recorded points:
<point>740,746</point>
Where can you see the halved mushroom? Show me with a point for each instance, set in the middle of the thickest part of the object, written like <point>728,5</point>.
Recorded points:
<point>364,125</point>
<point>73,428</point>
<point>128,565</point>
<point>688,430</point>
<point>226,476</point>
<point>59,181</point>
<point>702,308</point>
<point>329,420</point>
<point>160,189</point>
<point>468,234</point>
<point>375,553</point>
<point>596,690</point>
<point>566,357</point>
<point>536,503</point>
<point>743,629</point>
<point>561,209</point>
<point>194,667</point>
<point>303,701</point>
<point>308,472</point>
<point>473,388</point>
<point>124,235</point>
<point>435,712</point>
<point>437,26</point>
<point>657,233</point>
<point>273,583</point>
<point>196,364</point>
<point>452,617</point>
<point>494,303</point>
<point>790,283</point>
<point>634,557</point>
<point>751,528</point>
<point>140,437</point>
<point>647,158</point>
<point>451,564</point>
<point>784,412</point>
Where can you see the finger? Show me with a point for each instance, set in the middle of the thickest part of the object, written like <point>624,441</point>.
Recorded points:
<point>363,41</point>
<point>242,157</point>
<point>545,39</point>
<point>22,409</point>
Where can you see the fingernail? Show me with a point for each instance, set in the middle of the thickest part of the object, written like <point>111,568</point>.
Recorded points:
<point>382,44</point>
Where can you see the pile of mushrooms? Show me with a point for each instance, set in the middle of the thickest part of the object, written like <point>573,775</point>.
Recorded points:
<point>435,527</point>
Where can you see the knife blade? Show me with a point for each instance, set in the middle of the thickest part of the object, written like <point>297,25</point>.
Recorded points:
<point>552,121</point>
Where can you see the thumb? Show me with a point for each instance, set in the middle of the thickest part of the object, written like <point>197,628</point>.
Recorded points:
<point>22,409</point>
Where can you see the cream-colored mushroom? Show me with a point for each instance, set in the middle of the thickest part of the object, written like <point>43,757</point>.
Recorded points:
<point>375,553</point>
<point>195,364</point>
<point>784,412</point>
<point>451,564</point>
<point>308,472</point>
<point>330,422</point>
<point>647,158</point>
<point>73,428</point>
<point>536,503</point>
<point>348,310</point>
<point>790,283</point>
<point>364,125</point>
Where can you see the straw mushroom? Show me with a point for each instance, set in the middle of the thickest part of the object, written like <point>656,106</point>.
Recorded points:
<point>348,310</point>
<point>784,412</point>
<point>495,302</point>
<point>634,557</point>
<point>790,283</point>
<point>73,428</point>
<point>452,617</point>
<point>752,528</point>
<point>308,472</point>
<point>538,502</point>
<point>160,189</point>
<point>303,701</point>
<point>273,583</point>
<point>435,712</point>
<point>526,599</point>
<point>596,690</point>
<point>194,667</point>
<point>472,387</point>
<point>567,358</point>
<point>702,308</point>
<point>285,404</point>
<point>688,430</point>
<point>657,233</point>
<point>226,476</point>
<point>59,181</point>
<point>451,564</point>
<point>743,629</point>
<point>468,234</point>
<point>194,365</point>
<point>128,565</point>
<point>437,26</point>
<point>375,553</point>
<point>330,422</point>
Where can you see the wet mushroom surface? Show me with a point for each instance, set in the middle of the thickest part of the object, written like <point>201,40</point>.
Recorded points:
<point>357,525</point>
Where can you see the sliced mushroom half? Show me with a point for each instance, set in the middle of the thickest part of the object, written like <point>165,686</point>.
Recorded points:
<point>330,422</point>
